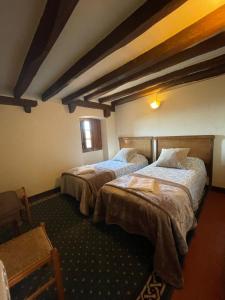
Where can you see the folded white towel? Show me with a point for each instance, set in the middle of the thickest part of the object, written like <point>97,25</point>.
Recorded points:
<point>83,170</point>
<point>143,184</point>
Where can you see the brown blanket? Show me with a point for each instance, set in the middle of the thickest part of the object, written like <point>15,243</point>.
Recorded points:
<point>164,218</point>
<point>85,187</point>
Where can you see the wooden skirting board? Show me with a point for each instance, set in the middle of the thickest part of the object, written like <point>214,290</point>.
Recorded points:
<point>218,189</point>
<point>44,194</point>
<point>57,190</point>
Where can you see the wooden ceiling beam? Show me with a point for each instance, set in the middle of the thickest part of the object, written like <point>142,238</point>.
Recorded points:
<point>137,23</point>
<point>107,109</point>
<point>25,103</point>
<point>194,77</point>
<point>211,44</point>
<point>52,22</point>
<point>203,29</point>
<point>204,65</point>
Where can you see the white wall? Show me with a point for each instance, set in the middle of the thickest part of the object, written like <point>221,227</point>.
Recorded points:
<point>196,109</point>
<point>109,137</point>
<point>35,148</point>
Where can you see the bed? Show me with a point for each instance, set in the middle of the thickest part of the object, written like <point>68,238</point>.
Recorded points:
<point>85,187</point>
<point>166,215</point>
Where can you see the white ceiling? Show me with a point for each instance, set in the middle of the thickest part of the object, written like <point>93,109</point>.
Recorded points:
<point>90,22</point>
<point>18,22</point>
<point>182,65</point>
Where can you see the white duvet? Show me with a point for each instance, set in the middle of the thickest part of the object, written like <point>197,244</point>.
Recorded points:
<point>122,168</point>
<point>194,176</point>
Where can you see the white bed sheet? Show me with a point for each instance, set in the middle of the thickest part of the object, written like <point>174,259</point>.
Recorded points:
<point>194,177</point>
<point>121,168</point>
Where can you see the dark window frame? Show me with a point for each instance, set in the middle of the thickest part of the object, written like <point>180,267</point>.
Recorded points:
<point>96,136</point>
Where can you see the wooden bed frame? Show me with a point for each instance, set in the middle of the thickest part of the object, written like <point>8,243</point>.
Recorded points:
<point>201,146</point>
<point>144,145</point>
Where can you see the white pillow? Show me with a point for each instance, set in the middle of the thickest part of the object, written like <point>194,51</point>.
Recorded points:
<point>172,158</point>
<point>125,154</point>
<point>195,163</point>
<point>139,159</point>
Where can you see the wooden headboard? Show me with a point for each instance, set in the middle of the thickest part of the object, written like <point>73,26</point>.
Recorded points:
<point>201,146</point>
<point>142,144</point>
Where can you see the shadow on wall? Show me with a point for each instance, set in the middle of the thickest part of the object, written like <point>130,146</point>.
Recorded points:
<point>58,181</point>
<point>219,161</point>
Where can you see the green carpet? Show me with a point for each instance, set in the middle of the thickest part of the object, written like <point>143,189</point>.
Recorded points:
<point>98,261</point>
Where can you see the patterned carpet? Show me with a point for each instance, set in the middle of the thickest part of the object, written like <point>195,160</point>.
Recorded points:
<point>98,261</point>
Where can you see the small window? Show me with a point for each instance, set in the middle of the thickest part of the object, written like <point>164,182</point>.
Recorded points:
<point>91,137</point>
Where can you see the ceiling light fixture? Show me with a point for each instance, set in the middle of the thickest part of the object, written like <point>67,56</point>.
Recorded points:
<point>155,104</point>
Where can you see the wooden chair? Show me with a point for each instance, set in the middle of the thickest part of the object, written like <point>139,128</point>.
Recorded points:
<point>11,205</point>
<point>21,194</point>
<point>10,208</point>
<point>28,252</point>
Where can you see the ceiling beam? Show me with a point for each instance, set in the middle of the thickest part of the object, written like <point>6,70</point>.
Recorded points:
<point>107,109</point>
<point>51,24</point>
<point>194,77</point>
<point>25,103</point>
<point>203,29</point>
<point>204,65</point>
<point>211,44</point>
<point>137,23</point>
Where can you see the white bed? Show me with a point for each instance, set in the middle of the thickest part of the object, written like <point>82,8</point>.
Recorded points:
<point>122,168</point>
<point>84,188</point>
<point>194,177</point>
<point>165,214</point>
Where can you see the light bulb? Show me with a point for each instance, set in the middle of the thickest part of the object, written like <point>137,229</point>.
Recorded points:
<point>155,104</point>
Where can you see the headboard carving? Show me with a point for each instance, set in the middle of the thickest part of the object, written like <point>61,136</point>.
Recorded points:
<point>142,144</point>
<point>201,146</point>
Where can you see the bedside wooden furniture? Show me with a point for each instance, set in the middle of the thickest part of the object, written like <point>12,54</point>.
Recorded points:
<point>21,194</point>
<point>28,252</point>
<point>11,205</point>
<point>10,209</point>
